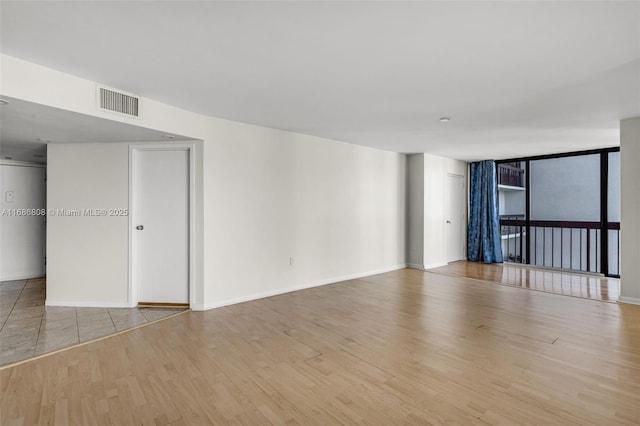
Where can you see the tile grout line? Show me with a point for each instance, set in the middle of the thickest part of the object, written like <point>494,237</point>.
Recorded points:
<point>35,347</point>
<point>112,321</point>
<point>77,324</point>
<point>14,304</point>
<point>143,315</point>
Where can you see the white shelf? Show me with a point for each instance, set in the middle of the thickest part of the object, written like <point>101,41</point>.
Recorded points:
<point>508,188</point>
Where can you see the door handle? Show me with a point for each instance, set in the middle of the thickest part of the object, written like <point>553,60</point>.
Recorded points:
<point>449,221</point>
<point>139,227</point>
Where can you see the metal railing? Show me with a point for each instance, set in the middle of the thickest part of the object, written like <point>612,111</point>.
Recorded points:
<point>570,245</point>
<point>514,238</point>
<point>510,174</point>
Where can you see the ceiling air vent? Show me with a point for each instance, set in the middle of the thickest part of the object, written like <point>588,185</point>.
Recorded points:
<point>118,102</point>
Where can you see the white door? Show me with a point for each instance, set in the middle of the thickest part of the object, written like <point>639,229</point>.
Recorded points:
<point>161,225</point>
<point>456,217</point>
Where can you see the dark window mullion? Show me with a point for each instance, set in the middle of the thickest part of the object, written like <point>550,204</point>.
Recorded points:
<point>527,212</point>
<point>604,213</point>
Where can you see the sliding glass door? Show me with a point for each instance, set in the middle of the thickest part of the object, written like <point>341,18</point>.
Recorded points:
<point>563,212</point>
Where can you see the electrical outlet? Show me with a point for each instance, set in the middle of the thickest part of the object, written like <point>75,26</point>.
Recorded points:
<point>8,196</point>
<point>291,261</point>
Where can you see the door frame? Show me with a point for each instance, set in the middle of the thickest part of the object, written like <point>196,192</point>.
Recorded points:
<point>465,215</point>
<point>134,149</point>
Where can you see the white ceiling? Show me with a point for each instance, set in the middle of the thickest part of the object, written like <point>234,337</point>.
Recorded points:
<point>26,128</point>
<point>517,78</point>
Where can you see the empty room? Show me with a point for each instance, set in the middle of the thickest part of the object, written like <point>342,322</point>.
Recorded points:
<point>319,212</point>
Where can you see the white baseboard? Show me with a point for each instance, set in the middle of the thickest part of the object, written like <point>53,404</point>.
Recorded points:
<point>630,300</point>
<point>415,266</point>
<point>87,304</point>
<point>261,295</point>
<point>198,307</point>
<point>21,277</point>
<point>435,265</point>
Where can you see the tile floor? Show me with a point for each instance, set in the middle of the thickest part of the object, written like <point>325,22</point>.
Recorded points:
<point>28,328</point>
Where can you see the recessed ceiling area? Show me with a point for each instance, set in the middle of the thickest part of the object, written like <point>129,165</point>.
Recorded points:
<point>26,128</point>
<point>515,78</point>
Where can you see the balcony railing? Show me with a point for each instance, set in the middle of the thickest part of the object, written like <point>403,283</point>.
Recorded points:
<point>560,244</point>
<point>510,174</point>
<point>513,234</point>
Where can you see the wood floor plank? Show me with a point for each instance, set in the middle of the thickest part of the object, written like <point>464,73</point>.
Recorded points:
<point>576,284</point>
<point>406,347</point>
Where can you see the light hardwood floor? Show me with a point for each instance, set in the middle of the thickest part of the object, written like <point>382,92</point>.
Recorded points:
<point>406,347</point>
<point>587,286</point>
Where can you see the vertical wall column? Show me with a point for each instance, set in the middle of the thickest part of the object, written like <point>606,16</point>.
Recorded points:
<point>435,211</point>
<point>415,211</point>
<point>427,210</point>
<point>630,210</point>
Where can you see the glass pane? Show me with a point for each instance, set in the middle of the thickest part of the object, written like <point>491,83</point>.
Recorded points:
<point>566,189</point>
<point>614,187</point>
<point>614,213</point>
<point>512,206</point>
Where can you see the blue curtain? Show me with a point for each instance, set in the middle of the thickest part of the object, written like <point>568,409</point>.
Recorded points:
<point>483,238</point>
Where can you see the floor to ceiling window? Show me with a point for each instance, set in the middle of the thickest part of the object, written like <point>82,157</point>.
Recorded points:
<point>562,211</point>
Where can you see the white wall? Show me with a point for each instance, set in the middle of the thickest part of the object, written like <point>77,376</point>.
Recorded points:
<point>87,255</point>
<point>337,209</point>
<point>415,210</point>
<point>22,236</point>
<point>263,196</point>
<point>630,210</point>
